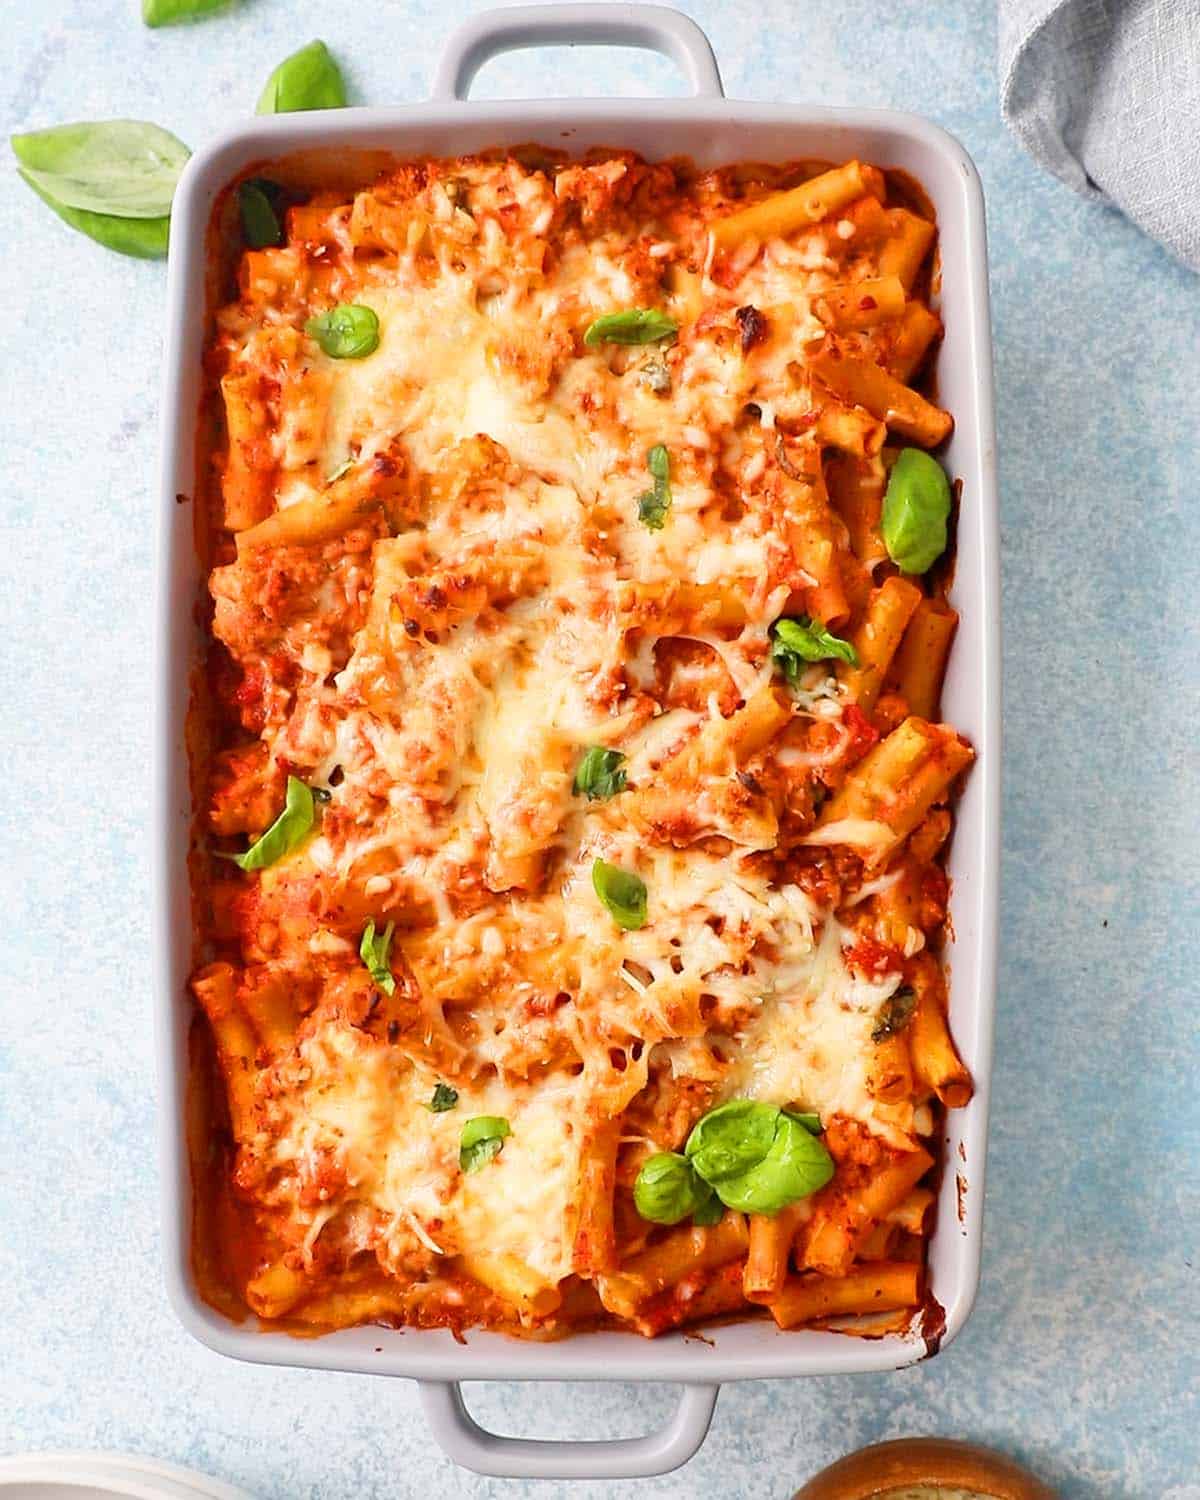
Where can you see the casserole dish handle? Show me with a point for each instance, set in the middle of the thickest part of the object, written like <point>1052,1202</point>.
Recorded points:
<point>474,1447</point>
<point>654,28</point>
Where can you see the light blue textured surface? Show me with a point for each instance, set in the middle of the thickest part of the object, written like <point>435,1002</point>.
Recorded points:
<point>1081,1352</point>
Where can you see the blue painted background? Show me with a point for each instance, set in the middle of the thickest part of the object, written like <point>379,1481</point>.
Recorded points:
<point>1081,1351</point>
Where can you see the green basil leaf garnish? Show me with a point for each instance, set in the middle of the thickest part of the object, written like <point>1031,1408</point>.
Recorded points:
<point>651,511</point>
<point>375,951</point>
<point>124,168</point>
<point>916,508</point>
<point>797,641</point>
<point>349,331</point>
<point>444,1098</point>
<point>259,203</point>
<point>290,828</point>
<point>667,1190</point>
<point>637,325</point>
<point>167,12</point>
<point>482,1138</point>
<point>757,1157</point>
<point>895,1013</point>
<point>654,504</point>
<point>709,1213</point>
<point>308,79</point>
<point>144,239</point>
<point>622,892</point>
<point>796,1165</point>
<point>731,1138</point>
<point>599,775</point>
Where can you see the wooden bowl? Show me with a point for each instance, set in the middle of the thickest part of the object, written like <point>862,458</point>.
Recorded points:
<point>924,1461</point>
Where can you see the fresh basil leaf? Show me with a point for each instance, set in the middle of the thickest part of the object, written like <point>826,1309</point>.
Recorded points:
<point>652,513</point>
<point>599,775</point>
<point>637,325</point>
<point>796,1165</point>
<point>349,331</point>
<point>797,641</point>
<point>289,829</point>
<point>444,1098</point>
<point>144,239</point>
<point>167,12</point>
<point>811,1122</point>
<point>916,507</point>
<point>895,1013</point>
<point>308,79</point>
<point>654,504</point>
<point>622,892</point>
<point>658,461</point>
<point>126,168</point>
<point>482,1138</point>
<point>731,1138</point>
<point>259,203</point>
<point>667,1189</point>
<point>710,1212</point>
<point>375,951</point>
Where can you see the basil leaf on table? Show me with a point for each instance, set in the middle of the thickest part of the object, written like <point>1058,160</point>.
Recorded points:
<point>291,826</point>
<point>308,79</point>
<point>482,1138</point>
<point>636,325</point>
<point>800,640</point>
<point>599,775</point>
<point>112,181</point>
<point>622,893</point>
<point>126,168</point>
<point>375,952</point>
<point>667,1190</point>
<point>916,507</point>
<point>144,239</point>
<point>349,331</point>
<point>168,12</point>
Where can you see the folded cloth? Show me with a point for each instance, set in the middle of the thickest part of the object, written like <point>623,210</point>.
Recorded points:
<point>1106,95</point>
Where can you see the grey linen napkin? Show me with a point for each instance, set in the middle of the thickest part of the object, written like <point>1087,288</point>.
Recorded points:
<point>1106,95</point>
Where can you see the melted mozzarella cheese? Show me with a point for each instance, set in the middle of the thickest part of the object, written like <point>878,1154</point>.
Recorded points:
<point>811,1043</point>
<point>366,1107</point>
<point>456,737</point>
<point>439,377</point>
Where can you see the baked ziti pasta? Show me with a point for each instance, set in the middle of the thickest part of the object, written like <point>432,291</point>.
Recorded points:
<point>572,794</point>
